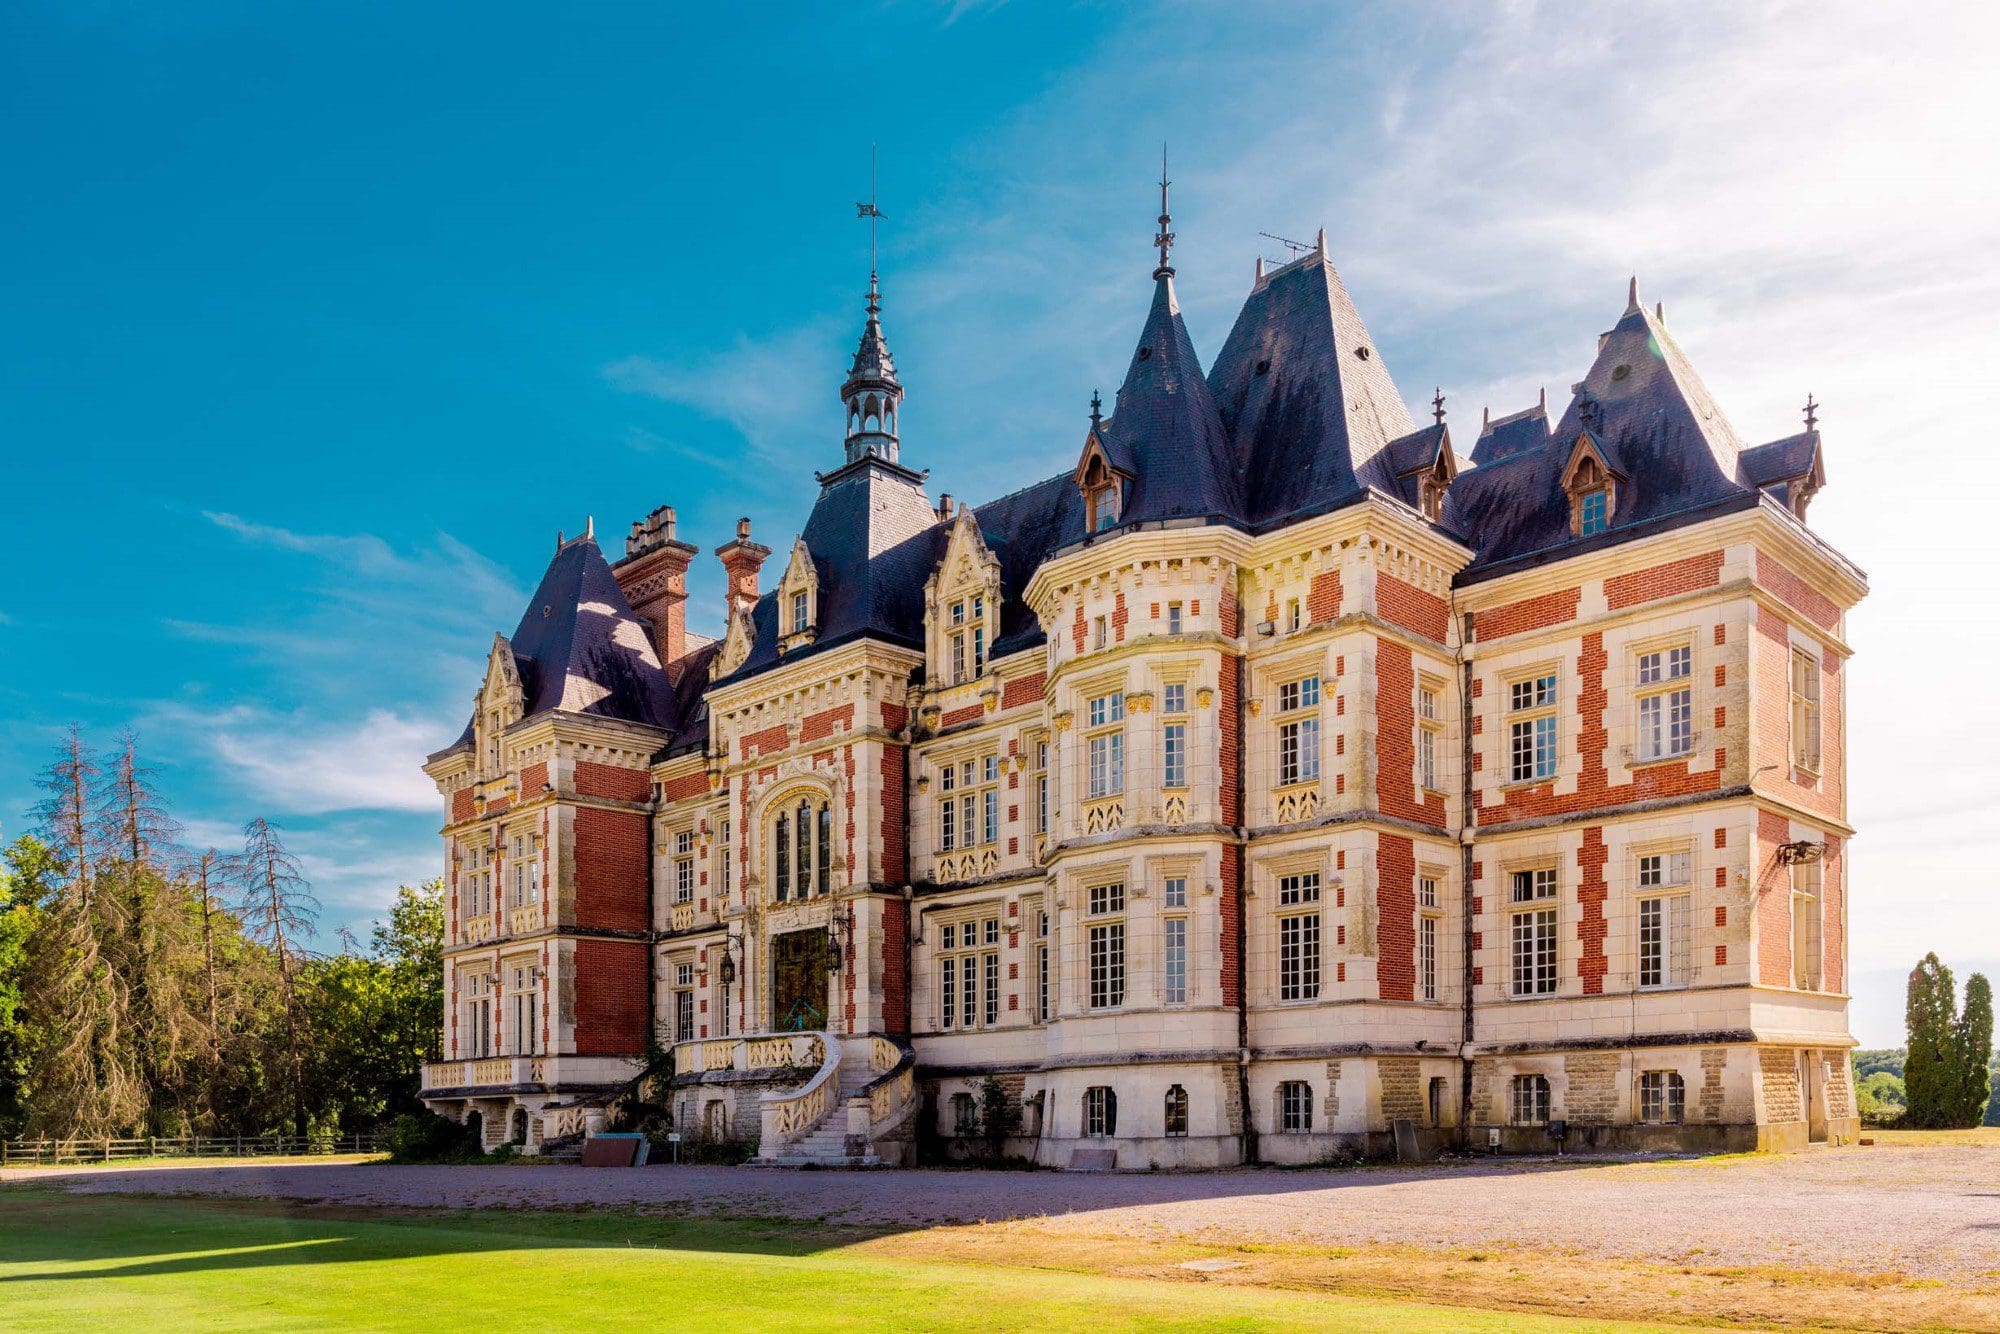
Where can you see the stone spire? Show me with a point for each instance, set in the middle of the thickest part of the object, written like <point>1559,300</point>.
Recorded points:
<point>873,395</point>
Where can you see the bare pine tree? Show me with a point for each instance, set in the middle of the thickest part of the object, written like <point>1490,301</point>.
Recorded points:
<point>279,913</point>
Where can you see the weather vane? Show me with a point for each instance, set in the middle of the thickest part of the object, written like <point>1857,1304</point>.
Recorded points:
<point>873,214</point>
<point>1165,239</point>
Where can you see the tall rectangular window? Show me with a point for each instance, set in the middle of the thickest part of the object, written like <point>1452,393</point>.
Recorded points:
<point>1805,711</point>
<point>1430,738</point>
<point>947,809</point>
<point>1665,700</point>
<point>1173,618</point>
<point>1666,925</point>
<point>684,866</point>
<point>1176,960</point>
<point>969,974</point>
<point>801,617</point>
<point>1427,958</point>
<point>1531,729</point>
<point>1532,933</point>
<point>727,869</point>
<point>1298,957</point>
<point>1106,747</point>
<point>1808,927</point>
<point>1298,731</point>
<point>1042,966</point>
<point>1173,755</point>
<point>1105,943</point>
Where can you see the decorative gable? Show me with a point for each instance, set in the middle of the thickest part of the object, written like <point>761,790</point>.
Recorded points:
<point>798,600</point>
<point>962,605</point>
<point>1591,483</point>
<point>499,704</point>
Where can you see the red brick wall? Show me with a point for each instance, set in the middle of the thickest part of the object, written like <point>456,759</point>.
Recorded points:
<point>1774,901</point>
<point>611,782</point>
<point>1817,607</point>
<point>1229,744</point>
<point>1024,690</point>
<point>610,978</point>
<point>1076,628</point>
<point>611,865</point>
<point>1230,613</point>
<point>819,726</point>
<point>895,815</point>
<point>894,716</point>
<point>1514,618</point>
<point>1663,581</point>
<point>764,742</point>
<point>686,787</point>
<point>1395,737</point>
<point>461,805</point>
<point>953,717</point>
<point>1232,910</point>
<point>534,778</point>
<point>1773,720</point>
<point>1396,894</point>
<point>895,965</point>
<point>1323,602</point>
<point>1833,896</point>
<point>1119,617</point>
<point>1591,928</point>
<point>1402,603</point>
<point>1593,787</point>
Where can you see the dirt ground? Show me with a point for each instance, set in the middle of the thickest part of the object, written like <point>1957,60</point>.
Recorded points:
<point>1899,1235</point>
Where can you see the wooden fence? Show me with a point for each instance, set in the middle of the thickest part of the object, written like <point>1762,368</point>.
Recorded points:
<point>21,1152</point>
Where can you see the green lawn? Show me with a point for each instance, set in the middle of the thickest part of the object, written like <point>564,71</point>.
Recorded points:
<point>105,1263</point>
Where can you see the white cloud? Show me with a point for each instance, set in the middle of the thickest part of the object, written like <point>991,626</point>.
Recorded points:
<point>309,763</point>
<point>754,385</point>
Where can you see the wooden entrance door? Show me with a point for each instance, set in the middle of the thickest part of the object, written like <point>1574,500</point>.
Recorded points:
<point>798,981</point>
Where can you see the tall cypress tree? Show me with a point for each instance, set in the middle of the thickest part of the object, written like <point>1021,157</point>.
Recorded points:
<point>1930,1071</point>
<point>1973,1047</point>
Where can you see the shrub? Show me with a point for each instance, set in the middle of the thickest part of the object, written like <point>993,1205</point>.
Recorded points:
<point>425,1137</point>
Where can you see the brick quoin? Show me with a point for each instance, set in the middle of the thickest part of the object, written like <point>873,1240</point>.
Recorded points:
<point>1232,906</point>
<point>1229,758</point>
<point>895,966</point>
<point>610,978</point>
<point>969,714</point>
<point>1395,740</point>
<point>1402,603</point>
<point>1663,581</point>
<point>895,863</point>
<point>1323,602</point>
<point>1778,577</point>
<point>612,783</point>
<point>1024,690</point>
<point>819,726</point>
<point>1396,962</point>
<point>1534,613</point>
<point>611,864</point>
<point>1119,617</point>
<point>1591,892</point>
<point>1076,628</point>
<point>1231,614</point>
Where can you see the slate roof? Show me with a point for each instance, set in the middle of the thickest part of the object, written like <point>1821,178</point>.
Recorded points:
<point>1516,433</point>
<point>1164,430</point>
<point>1306,397</point>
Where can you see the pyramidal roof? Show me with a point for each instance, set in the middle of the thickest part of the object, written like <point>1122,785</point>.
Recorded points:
<point>1164,430</point>
<point>580,649</point>
<point>1305,394</point>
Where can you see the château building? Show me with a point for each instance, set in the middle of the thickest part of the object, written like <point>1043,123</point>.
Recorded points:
<point>1281,773</point>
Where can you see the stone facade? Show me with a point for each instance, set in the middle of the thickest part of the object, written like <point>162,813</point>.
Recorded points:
<point>1210,837</point>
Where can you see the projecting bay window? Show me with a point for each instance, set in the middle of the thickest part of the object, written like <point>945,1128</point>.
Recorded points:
<point>1666,920</point>
<point>1298,731</point>
<point>802,849</point>
<point>1665,703</point>
<point>1531,728</point>
<point>1805,711</point>
<point>1104,936</point>
<point>969,974</point>
<point>684,866</point>
<point>1105,746</point>
<point>1429,926</point>
<point>1430,736</point>
<point>1298,937</point>
<point>1808,926</point>
<point>1531,933</point>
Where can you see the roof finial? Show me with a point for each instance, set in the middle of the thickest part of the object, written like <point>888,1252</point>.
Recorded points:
<point>590,527</point>
<point>1096,410</point>
<point>873,214</point>
<point>1812,414</point>
<point>1632,295</point>
<point>1165,239</point>
<point>559,539</point>
<point>1437,404</point>
<point>1543,400</point>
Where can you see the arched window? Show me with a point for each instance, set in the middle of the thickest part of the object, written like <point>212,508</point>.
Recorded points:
<point>1176,1110</point>
<point>802,848</point>
<point>1100,1112</point>
<point>1295,1106</point>
<point>1662,1098</point>
<point>1531,1100</point>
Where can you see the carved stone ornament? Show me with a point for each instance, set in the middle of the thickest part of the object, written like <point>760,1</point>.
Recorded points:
<point>1204,697</point>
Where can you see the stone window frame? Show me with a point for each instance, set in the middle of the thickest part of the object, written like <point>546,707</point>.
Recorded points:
<point>1107,983</point>
<point>774,814</point>
<point>522,843</point>
<point>1669,890</point>
<point>1535,905</point>
<point>975,935</point>
<point>1293,723</point>
<point>1174,1112</point>
<point>1662,1098</point>
<point>1430,730</point>
<point>1808,923</point>
<point>1805,732</point>
<point>1294,1105</point>
<point>1530,715</point>
<point>967,803</point>
<point>1430,909</point>
<point>1100,1112</point>
<point>1663,687</point>
<point>1588,474</point>
<point>1530,1100</point>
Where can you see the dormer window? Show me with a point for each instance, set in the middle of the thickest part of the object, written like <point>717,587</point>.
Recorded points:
<point>801,613</point>
<point>1104,507</point>
<point>1103,488</point>
<point>1592,485</point>
<point>963,598</point>
<point>798,600</point>
<point>1431,498</point>
<point>1593,512</point>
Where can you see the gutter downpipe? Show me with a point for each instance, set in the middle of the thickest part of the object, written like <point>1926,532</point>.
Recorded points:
<point>1465,882</point>
<point>1242,933</point>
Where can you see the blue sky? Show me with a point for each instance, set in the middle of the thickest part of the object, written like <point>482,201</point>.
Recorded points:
<point>322,322</point>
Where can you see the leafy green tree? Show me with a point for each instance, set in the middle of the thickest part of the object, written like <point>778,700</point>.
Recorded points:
<point>1880,1099</point>
<point>23,867</point>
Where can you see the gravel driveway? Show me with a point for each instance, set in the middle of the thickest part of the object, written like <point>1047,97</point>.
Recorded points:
<point>1928,1211</point>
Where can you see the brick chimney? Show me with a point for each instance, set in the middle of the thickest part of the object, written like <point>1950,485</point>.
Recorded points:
<point>741,559</point>
<point>653,577</point>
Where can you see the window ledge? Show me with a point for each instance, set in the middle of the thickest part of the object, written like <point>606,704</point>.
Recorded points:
<point>1655,761</point>
<point>1517,784</point>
